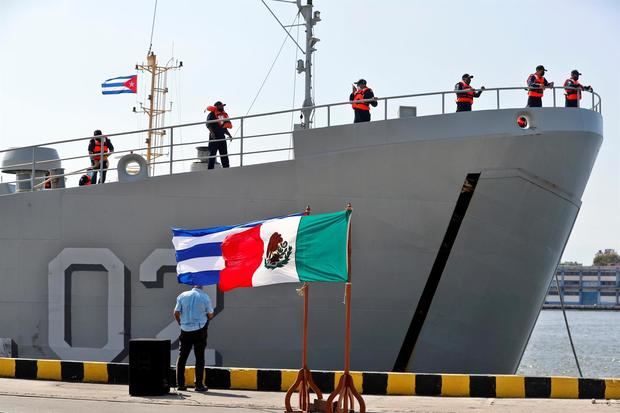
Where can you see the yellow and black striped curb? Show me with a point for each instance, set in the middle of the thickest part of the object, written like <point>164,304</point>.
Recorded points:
<point>378,383</point>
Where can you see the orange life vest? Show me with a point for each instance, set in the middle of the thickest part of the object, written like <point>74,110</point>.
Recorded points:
<point>537,93</point>
<point>465,97</point>
<point>220,115</point>
<point>359,95</point>
<point>97,149</point>
<point>225,123</point>
<point>572,94</point>
<point>85,180</point>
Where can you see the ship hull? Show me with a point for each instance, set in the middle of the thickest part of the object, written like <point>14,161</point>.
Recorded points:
<point>76,260</point>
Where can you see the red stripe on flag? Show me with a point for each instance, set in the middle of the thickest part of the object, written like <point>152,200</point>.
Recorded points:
<point>243,254</point>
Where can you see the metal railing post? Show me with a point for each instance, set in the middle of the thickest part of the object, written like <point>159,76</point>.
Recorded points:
<point>241,144</point>
<point>329,118</point>
<point>385,108</point>
<point>33,169</point>
<point>592,100</point>
<point>171,147</point>
<point>443,103</point>
<point>101,159</point>
<point>554,104</point>
<point>497,98</point>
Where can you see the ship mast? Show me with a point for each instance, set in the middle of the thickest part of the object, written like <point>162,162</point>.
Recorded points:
<point>311,19</point>
<point>157,105</point>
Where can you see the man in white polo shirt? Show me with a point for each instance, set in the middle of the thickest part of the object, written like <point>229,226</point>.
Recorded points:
<point>193,312</point>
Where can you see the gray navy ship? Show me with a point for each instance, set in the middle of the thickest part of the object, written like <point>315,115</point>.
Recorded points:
<point>459,222</point>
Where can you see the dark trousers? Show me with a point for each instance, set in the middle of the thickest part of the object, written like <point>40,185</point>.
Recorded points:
<point>572,103</point>
<point>216,145</point>
<point>463,107</point>
<point>103,173</point>
<point>187,340</point>
<point>361,116</point>
<point>534,102</point>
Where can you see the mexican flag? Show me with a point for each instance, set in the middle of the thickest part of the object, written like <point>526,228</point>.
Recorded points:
<point>299,248</point>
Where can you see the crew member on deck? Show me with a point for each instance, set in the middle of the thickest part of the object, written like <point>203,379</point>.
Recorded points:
<point>217,134</point>
<point>362,92</point>
<point>573,96</point>
<point>94,149</point>
<point>536,84</point>
<point>465,93</point>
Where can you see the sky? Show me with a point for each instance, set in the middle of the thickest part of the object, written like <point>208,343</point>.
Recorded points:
<point>55,55</point>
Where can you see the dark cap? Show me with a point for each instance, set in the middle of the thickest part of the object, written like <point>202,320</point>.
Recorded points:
<point>361,82</point>
<point>467,75</point>
<point>575,72</point>
<point>219,103</point>
<point>540,67</point>
<point>97,133</point>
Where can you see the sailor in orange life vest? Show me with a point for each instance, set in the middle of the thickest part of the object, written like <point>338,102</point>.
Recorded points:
<point>536,84</point>
<point>94,149</point>
<point>465,93</point>
<point>573,96</point>
<point>217,134</point>
<point>362,110</point>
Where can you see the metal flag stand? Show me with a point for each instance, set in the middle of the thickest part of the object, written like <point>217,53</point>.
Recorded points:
<point>304,380</point>
<point>345,391</point>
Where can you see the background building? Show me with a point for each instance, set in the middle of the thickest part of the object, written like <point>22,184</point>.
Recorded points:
<point>586,286</point>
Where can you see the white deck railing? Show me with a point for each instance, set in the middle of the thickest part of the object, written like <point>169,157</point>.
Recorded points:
<point>244,139</point>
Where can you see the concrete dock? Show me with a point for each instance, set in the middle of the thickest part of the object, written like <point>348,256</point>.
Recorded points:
<point>17,396</point>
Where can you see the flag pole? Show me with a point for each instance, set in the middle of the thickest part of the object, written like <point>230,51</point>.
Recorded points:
<point>304,380</point>
<point>345,391</point>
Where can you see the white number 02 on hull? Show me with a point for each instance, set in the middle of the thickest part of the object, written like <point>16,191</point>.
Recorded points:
<point>98,261</point>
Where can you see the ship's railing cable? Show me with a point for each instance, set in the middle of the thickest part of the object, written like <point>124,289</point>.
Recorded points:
<point>288,32</point>
<point>37,166</point>
<point>260,89</point>
<point>561,295</point>
<point>596,108</point>
<point>570,337</point>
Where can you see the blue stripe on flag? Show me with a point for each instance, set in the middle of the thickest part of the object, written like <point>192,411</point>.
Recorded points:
<point>199,278</point>
<point>115,92</point>
<point>112,84</point>
<point>120,77</point>
<point>180,232</point>
<point>201,250</point>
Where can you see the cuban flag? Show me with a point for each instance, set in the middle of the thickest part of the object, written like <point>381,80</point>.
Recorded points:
<point>122,84</point>
<point>199,251</point>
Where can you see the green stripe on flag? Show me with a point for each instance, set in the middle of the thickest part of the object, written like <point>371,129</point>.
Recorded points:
<point>321,253</point>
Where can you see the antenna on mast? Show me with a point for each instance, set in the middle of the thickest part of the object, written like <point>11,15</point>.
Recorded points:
<point>311,19</point>
<point>156,109</point>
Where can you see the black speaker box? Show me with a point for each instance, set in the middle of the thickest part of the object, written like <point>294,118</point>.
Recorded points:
<point>149,367</point>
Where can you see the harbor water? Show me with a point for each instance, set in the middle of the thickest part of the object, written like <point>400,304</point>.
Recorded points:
<point>596,335</point>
